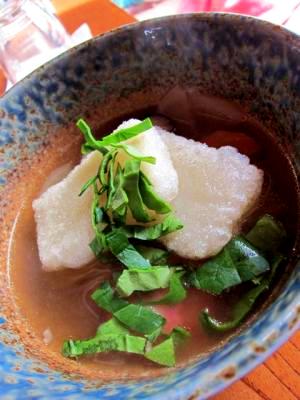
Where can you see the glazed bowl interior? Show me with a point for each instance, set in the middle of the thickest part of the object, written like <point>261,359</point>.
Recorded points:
<point>242,59</point>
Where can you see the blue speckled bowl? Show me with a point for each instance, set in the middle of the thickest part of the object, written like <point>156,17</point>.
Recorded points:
<point>240,58</point>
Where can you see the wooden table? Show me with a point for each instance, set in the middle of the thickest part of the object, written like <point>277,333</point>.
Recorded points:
<point>277,378</point>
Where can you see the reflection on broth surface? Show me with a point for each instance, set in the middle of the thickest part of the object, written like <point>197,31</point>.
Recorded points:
<point>57,305</point>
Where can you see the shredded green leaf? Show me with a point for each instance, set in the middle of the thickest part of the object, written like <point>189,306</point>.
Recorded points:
<point>112,326</point>
<point>143,279</point>
<point>124,134</point>
<point>140,319</point>
<point>89,183</point>
<point>238,262</point>
<point>179,335</point>
<point>136,317</point>
<point>243,306</point>
<point>176,293</point>
<point>106,298</point>
<point>131,187</point>
<point>125,252</point>
<point>154,255</point>
<point>152,232</point>
<point>267,235</point>
<point>163,353</point>
<point>150,198</point>
<point>134,153</point>
<point>104,343</point>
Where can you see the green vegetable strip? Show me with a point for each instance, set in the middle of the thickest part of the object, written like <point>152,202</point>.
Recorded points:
<point>104,343</point>
<point>140,318</point>
<point>176,293</point>
<point>106,298</point>
<point>163,353</point>
<point>127,133</point>
<point>104,168</point>
<point>179,335</point>
<point>112,326</point>
<point>143,280</point>
<point>150,198</point>
<point>111,182</point>
<point>119,198</point>
<point>99,223</point>
<point>170,224</point>
<point>267,235</point>
<point>134,153</point>
<point>238,262</point>
<point>131,187</point>
<point>243,306</point>
<point>91,142</point>
<point>114,138</point>
<point>134,316</point>
<point>87,185</point>
<point>154,255</point>
<point>120,247</point>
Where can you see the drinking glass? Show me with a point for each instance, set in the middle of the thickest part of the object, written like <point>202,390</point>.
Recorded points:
<point>30,35</point>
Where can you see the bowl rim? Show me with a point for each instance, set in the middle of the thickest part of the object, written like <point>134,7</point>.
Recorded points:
<point>283,324</point>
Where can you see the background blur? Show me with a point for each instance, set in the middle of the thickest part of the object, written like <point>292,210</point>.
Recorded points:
<point>285,12</point>
<point>34,31</point>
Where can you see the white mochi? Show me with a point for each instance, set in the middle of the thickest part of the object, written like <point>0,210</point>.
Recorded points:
<point>216,188</point>
<point>63,219</point>
<point>162,174</point>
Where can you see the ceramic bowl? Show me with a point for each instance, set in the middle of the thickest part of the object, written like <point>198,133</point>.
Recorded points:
<point>239,58</point>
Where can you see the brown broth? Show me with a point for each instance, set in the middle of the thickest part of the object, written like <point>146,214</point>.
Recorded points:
<point>59,302</point>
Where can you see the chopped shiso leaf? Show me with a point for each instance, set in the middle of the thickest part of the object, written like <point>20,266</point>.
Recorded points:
<point>152,232</point>
<point>179,335</point>
<point>154,255</point>
<point>243,306</point>
<point>176,293</point>
<point>131,187</point>
<point>125,252</point>
<point>267,235</point>
<point>163,353</point>
<point>115,137</point>
<point>112,326</point>
<point>103,343</point>
<point>90,142</point>
<point>134,316</point>
<point>143,279</point>
<point>238,262</point>
<point>106,298</point>
<point>140,318</point>
<point>127,133</point>
<point>151,199</point>
<point>135,154</point>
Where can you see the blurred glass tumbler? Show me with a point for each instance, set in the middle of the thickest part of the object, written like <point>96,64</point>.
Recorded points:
<point>30,35</point>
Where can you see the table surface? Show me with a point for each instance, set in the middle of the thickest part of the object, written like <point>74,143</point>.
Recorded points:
<point>278,378</point>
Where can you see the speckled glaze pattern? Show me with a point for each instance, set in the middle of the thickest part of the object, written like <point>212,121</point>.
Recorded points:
<point>240,58</point>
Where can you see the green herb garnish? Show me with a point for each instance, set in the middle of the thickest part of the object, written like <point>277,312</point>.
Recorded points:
<point>136,317</point>
<point>243,306</point>
<point>151,199</point>
<point>169,224</point>
<point>144,280</point>
<point>154,255</point>
<point>238,262</point>
<point>125,252</point>
<point>267,235</point>
<point>176,293</point>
